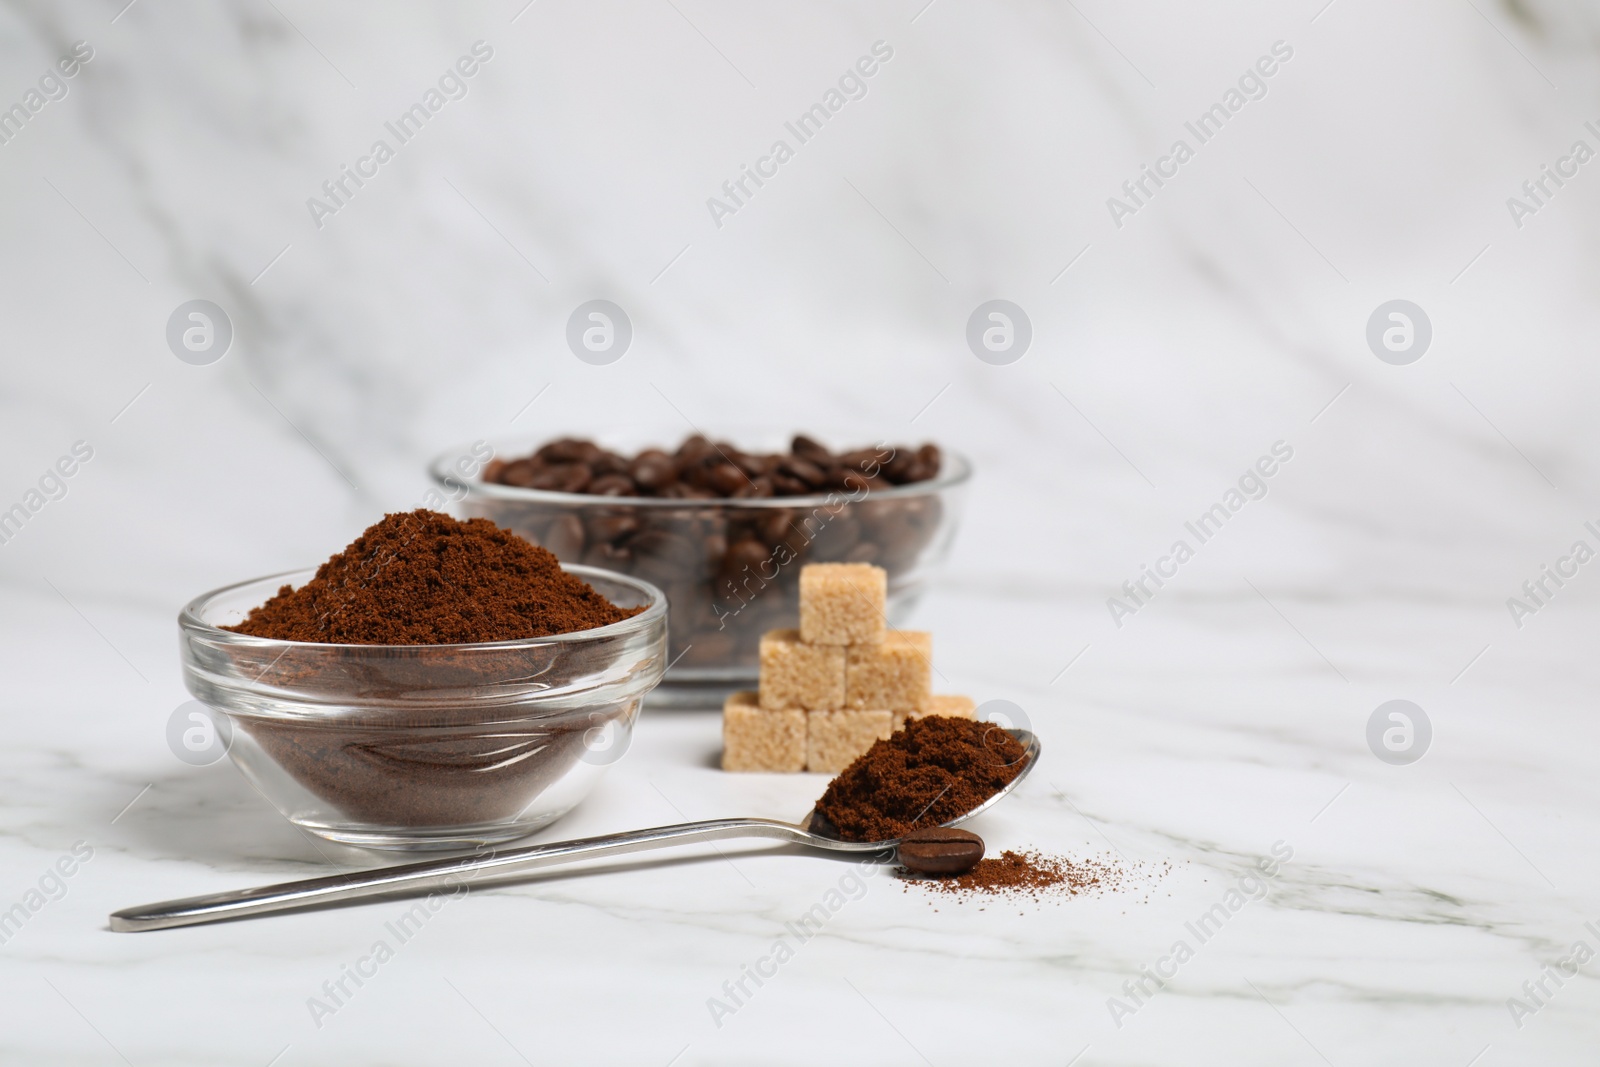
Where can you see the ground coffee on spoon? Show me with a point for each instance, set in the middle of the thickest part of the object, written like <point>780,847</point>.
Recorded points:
<point>934,770</point>
<point>937,769</point>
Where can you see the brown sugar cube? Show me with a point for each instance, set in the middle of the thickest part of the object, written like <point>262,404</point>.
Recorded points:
<point>835,738</point>
<point>843,603</point>
<point>754,739</point>
<point>897,674</point>
<point>951,707</point>
<point>795,674</point>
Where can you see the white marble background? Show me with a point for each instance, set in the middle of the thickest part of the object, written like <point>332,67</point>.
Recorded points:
<point>1169,353</point>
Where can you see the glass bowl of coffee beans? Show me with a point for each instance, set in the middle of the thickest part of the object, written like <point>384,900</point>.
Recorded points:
<point>423,746</point>
<point>722,529</point>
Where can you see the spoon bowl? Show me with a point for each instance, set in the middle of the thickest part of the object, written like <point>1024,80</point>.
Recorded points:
<point>454,874</point>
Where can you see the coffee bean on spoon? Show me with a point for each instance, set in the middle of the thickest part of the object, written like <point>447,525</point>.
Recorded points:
<point>940,850</point>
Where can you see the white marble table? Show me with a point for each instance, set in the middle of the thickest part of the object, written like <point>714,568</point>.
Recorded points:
<point>1417,899</point>
<point>1225,717</point>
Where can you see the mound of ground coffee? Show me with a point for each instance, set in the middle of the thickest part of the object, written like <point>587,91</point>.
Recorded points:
<point>388,707</point>
<point>422,578</point>
<point>935,770</point>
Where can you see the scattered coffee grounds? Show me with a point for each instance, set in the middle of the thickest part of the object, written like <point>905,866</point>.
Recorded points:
<point>935,770</point>
<point>940,850</point>
<point>704,470</point>
<point>1029,875</point>
<point>422,578</point>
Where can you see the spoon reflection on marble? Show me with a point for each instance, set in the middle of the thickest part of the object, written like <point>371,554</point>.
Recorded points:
<point>453,874</point>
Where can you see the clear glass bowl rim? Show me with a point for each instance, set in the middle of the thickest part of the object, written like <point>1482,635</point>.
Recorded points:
<point>954,470</point>
<point>190,619</point>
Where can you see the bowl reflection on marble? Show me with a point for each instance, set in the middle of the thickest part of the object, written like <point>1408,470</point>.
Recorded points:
<point>425,746</point>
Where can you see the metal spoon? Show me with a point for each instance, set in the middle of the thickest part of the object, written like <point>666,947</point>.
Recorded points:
<point>453,873</point>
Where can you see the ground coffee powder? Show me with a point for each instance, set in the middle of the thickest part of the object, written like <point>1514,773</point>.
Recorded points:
<point>422,578</point>
<point>935,770</point>
<point>1025,874</point>
<point>396,730</point>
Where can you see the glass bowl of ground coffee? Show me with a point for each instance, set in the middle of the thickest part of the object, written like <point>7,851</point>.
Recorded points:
<point>722,530</point>
<point>424,746</point>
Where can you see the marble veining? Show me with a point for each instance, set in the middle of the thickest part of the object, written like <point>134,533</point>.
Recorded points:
<point>1426,909</point>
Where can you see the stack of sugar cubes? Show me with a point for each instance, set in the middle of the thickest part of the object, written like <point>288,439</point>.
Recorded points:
<point>843,680</point>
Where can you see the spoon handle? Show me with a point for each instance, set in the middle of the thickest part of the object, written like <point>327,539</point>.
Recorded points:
<point>445,874</point>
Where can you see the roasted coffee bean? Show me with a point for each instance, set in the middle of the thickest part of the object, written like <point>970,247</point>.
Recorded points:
<point>549,478</point>
<point>940,850</point>
<point>859,483</point>
<point>609,463</point>
<point>613,485</point>
<point>864,459</point>
<point>726,479</point>
<point>911,472</point>
<point>652,470</point>
<point>837,538</point>
<point>899,466</point>
<point>567,450</point>
<point>716,546</point>
<point>809,449</point>
<point>749,465</point>
<point>775,529</point>
<point>695,448</point>
<point>578,478</point>
<point>759,486</point>
<point>611,557</point>
<point>836,478</point>
<point>563,478</point>
<point>564,537</point>
<point>788,485</point>
<point>518,473</point>
<point>803,469</point>
<point>747,555</point>
<point>613,528</point>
